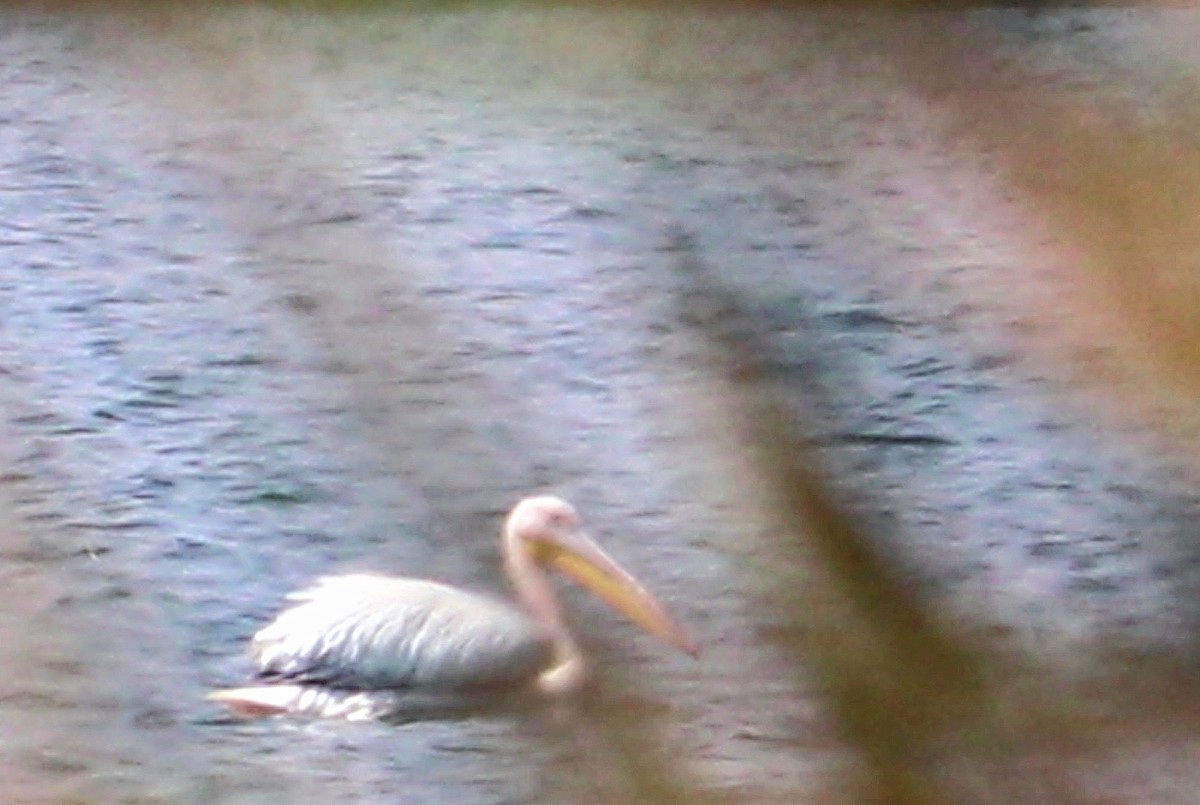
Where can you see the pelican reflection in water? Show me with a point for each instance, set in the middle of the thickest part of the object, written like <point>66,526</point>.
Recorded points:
<point>356,644</point>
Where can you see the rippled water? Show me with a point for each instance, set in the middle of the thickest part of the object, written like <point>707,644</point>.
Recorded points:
<point>266,316</point>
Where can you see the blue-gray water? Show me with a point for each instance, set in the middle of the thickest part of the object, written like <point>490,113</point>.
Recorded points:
<point>286,294</point>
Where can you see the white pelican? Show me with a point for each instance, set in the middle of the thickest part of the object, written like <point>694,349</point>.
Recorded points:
<point>355,645</point>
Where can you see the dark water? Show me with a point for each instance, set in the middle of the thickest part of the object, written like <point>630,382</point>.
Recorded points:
<point>284,296</point>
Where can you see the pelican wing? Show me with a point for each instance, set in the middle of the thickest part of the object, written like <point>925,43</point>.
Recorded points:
<point>371,632</point>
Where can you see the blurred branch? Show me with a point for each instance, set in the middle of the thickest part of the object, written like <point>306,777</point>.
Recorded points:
<point>909,690</point>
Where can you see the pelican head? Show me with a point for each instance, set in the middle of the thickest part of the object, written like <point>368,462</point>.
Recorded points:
<point>543,517</point>
<point>547,532</point>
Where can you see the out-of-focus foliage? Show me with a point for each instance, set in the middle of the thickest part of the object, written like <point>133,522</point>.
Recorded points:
<point>1118,186</point>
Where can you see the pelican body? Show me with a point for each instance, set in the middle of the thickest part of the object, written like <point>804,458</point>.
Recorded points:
<point>355,645</point>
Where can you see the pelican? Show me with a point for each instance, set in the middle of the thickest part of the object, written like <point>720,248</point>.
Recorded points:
<point>354,645</point>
